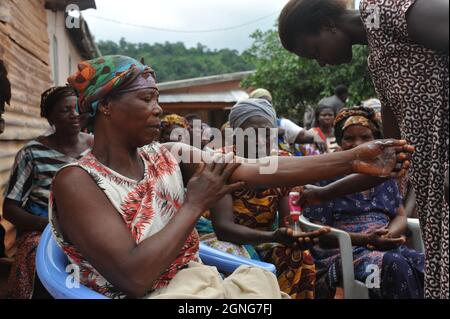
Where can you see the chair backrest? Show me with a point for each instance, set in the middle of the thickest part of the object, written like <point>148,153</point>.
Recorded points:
<point>51,264</point>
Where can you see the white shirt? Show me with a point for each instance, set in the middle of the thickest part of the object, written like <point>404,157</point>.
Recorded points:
<point>291,130</point>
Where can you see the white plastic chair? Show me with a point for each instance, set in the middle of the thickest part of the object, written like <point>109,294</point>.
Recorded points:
<point>354,289</point>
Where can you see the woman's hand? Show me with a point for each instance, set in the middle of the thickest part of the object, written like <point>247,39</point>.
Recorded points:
<point>302,241</point>
<point>209,183</point>
<point>381,240</point>
<point>321,145</point>
<point>311,195</point>
<point>383,158</point>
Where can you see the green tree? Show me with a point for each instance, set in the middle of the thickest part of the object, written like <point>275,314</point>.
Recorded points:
<point>173,61</point>
<point>296,83</point>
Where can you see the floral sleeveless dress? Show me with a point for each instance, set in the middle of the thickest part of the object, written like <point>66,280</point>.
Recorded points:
<point>145,206</point>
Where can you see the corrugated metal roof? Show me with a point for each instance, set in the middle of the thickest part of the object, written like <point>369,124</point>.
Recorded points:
<point>62,4</point>
<point>210,97</point>
<point>203,80</point>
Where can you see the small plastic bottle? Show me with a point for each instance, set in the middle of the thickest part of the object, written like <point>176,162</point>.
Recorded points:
<point>296,211</point>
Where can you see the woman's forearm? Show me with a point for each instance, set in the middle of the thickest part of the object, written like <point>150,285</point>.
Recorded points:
<point>293,171</point>
<point>399,224</point>
<point>242,235</point>
<point>166,245</point>
<point>22,219</point>
<point>355,183</point>
<point>329,241</point>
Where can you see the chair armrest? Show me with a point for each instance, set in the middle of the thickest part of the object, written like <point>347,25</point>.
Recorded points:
<point>414,228</point>
<point>228,263</point>
<point>353,289</point>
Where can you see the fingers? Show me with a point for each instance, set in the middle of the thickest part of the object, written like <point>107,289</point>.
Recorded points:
<point>199,170</point>
<point>234,187</point>
<point>229,170</point>
<point>381,232</point>
<point>221,163</point>
<point>396,241</point>
<point>390,143</point>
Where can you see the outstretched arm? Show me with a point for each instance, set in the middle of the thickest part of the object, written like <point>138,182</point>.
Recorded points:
<point>387,158</point>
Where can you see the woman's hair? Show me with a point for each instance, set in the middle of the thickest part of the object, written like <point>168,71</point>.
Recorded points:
<point>53,96</point>
<point>368,113</point>
<point>307,17</point>
<point>319,110</point>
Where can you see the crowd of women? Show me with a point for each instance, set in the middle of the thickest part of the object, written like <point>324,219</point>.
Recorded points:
<point>120,196</point>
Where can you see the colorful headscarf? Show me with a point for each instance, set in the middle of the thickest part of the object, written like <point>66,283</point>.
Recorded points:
<point>174,119</point>
<point>361,115</point>
<point>100,77</point>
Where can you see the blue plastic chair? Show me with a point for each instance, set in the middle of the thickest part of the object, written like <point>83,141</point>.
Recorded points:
<point>51,264</point>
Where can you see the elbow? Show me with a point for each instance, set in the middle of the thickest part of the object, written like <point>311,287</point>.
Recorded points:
<point>135,291</point>
<point>134,286</point>
<point>131,280</point>
<point>7,210</point>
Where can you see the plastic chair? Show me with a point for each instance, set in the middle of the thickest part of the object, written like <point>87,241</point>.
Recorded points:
<point>354,289</point>
<point>51,263</point>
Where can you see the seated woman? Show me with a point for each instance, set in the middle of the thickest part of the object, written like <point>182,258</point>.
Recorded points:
<point>247,216</point>
<point>171,122</point>
<point>122,214</point>
<point>375,220</point>
<point>27,194</point>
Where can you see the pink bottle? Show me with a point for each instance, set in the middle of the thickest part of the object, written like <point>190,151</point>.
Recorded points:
<point>296,211</point>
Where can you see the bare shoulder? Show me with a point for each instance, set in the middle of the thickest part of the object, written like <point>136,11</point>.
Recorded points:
<point>71,177</point>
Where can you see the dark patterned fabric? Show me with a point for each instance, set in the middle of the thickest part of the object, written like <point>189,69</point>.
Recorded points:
<point>401,268</point>
<point>414,82</point>
<point>22,275</point>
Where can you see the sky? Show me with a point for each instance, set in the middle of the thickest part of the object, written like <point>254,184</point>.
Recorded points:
<point>184,15</point>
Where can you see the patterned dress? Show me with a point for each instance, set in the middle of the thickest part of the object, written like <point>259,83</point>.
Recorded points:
<point>257,209</point>
<point>145,206</point>
<point>414,82</point>
<point>401,269</point>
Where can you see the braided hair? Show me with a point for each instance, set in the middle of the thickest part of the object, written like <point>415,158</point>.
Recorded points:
<point>369,113</point>
<point>53,96</point>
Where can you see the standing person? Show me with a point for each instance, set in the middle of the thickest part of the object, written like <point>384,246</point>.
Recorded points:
<point>27,193</point>
<point>408,59</point>
<point>290,134</point>
<point>324,118</point>
<point>171,122</point>
<point>338,100</point>
<point>125,213</point>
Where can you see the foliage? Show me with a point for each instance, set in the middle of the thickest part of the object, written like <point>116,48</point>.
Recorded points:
<point>173,61</point>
